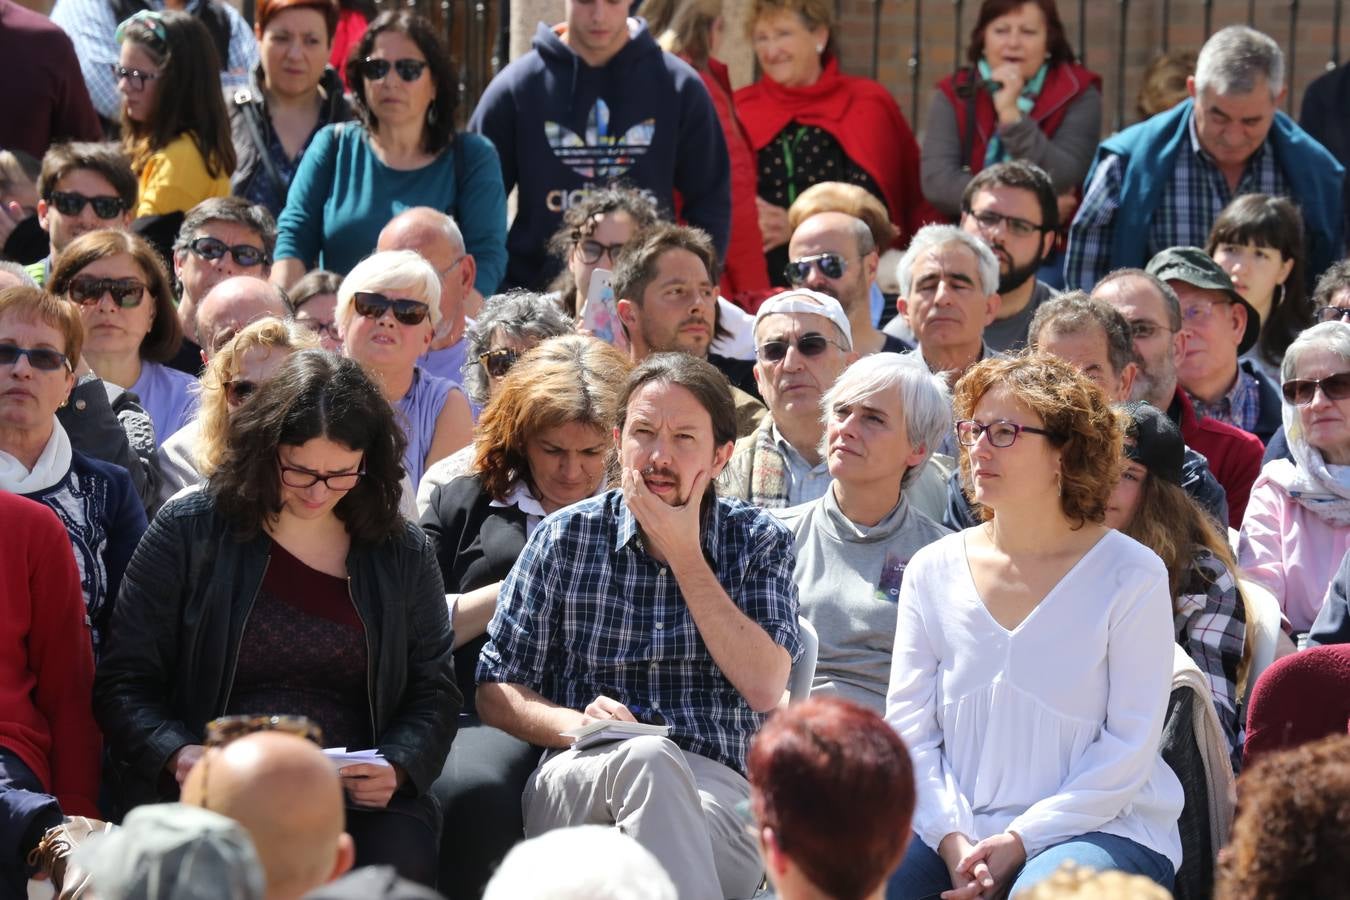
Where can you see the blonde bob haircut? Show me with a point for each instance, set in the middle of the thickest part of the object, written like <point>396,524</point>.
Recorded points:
<point>271,335</point>
<point>399,274</point>
<point>566,379</point>
<point>1082,425</point>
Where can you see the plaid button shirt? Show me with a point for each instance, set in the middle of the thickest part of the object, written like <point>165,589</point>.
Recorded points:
<point>587,611</point>
<point>1194,195</point>
<point>1211,626</point>
<point>1240,407</point>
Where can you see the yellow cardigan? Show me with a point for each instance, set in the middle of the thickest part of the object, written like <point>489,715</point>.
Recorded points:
<point>175,179</point>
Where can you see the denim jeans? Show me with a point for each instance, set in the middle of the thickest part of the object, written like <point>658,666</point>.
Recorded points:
<point>923,875</point>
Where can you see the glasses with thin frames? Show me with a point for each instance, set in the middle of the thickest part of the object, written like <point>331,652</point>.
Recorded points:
<point>1001,433</point>
<point>408,69</point>
<point>212,249</point>
<point>1333,313</point>
<point>989,220</point>
<point>71,203</point>
<point>373,306</point>
<point>807,345</point>
<point>1201,310</point>
<point>135,77</point>
<point>44,359</point>
<point>498,362</point>
<point>1300,391</point>
<point>831,265</point>
<point>88,290</point>
<point>303,478</point>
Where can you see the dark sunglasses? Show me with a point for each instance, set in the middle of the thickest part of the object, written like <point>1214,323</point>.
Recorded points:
<point>831,265</point>
<point>213,249</point>
<point>591,251</point>
<point>1333,313</point>
<point>807,345</point>
<point>87,290</point>
<point>498,362</point>
<point>373,306</point>
<point>407,69</point>
<point>40,358</point>
<point>1300,391</point>
<point>69,203</point>
<point>236,392</point>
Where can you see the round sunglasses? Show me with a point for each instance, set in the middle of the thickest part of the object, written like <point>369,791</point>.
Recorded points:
<point>1300,391</point>
<point>831,265</point>
<point>408,69</point>
<point>88,290</point>
<point>498,362</point>
<point>71,203</point>
<point>373,306</point>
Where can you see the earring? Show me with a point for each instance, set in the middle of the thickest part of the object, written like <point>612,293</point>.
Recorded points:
<point>1059,484</point>
<point>820,48</point>
<point>431,114</point>
<point>1279,296</point>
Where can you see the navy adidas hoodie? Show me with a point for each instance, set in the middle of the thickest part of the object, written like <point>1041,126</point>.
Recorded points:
<point>562,127</point>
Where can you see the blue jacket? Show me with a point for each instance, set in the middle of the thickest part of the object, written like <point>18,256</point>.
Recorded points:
<point>1148,152</point>
<point>562,127</point>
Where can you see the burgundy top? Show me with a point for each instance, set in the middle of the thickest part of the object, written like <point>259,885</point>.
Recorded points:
<point>304,653</point>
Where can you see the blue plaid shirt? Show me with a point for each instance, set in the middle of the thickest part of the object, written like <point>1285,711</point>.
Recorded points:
<point>586,611</point>
<point>91,25</point>
<point>1239,407</point>
<point>1191,200</point>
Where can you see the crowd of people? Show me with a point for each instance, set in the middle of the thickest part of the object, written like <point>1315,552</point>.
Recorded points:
<point>773,503</point>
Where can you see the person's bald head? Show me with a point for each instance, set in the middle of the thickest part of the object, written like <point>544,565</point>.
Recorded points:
<point>232,304</point>
<point>436,238</point>
<point>288,796</point>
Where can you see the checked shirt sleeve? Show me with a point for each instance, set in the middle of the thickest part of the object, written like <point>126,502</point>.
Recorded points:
<point>1211,627</point>
<point>1089,254</point>
<point>768,592</point>
<point>527,614</point>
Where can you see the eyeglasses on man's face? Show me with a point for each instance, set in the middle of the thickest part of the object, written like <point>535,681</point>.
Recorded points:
<point>988,220</point>
<point>71,203</point>
<point>831,265</point>
<point>810,344</point>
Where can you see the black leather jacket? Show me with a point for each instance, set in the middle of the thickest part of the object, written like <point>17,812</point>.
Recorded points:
<point>169,661</point>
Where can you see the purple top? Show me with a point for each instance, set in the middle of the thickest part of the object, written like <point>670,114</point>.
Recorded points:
<point>418,411</point>
<point>167,396</point>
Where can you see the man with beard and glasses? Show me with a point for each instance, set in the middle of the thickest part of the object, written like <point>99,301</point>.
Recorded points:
<point>1011,206</point>
<point>666,285</point>
<point>834,253</point>
<point>655,602</point>
<point>1153,311</point>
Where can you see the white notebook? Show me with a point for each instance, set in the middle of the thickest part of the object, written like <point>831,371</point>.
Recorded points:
<point>605,730</point>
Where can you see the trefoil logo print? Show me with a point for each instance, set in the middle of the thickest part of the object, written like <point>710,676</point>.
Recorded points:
<point>599,154</point>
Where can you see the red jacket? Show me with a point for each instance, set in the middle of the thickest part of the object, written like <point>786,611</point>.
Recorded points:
<point>863,117</point>
<point>1234,455</point>
<point>351,26</point>
<point>1064,83</point>
<point>46,657</point>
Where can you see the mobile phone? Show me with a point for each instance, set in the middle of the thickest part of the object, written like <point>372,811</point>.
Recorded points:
<point>600,315</point>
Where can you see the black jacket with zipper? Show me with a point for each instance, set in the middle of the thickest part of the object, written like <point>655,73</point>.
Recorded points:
<point>170,657</point>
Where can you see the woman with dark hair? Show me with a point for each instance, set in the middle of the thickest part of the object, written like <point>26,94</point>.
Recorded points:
<point>110,276</point>
<point>174,126</point>
<point>1150,505</point>
<point>291,585</point>
<point>293,94</point>
<point>592,233</point>
<point>1021,96</point>
<point>403,152</point>
<point>544,443</point>
<point>1258,241</point>
<point>1033,654</point>
<point>314,302</point>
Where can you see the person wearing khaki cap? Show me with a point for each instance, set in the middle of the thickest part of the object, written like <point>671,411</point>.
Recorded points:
<point>1220,326</point>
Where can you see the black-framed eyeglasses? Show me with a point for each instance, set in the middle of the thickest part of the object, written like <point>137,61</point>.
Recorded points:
<point>498,362</point>
<point>212,249</point>
<point>989,220</point>
<point>811,344</point>
<point>373,306</point>
<point>303,478</point>
<point>831,265</point>
<point>1333,313</point>
<point>591,251</point>
<point>239,390</point>
<point>320,328</point>
<point>71,203</point>
<point>408,69</point>
<point>1001,433</point>
<point>1300,391</point>
<point>88,290</point>
<point>44,359</point>
<point>135,77</point>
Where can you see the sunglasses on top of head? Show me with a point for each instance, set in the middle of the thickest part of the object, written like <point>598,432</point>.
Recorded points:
<point>373,306</point>
<point>1300,391</point>
<point>831,265</point>
<point>408,69</point>
<point>88,290</point>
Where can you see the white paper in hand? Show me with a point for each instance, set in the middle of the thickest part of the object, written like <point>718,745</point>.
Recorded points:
<point>341,757</point>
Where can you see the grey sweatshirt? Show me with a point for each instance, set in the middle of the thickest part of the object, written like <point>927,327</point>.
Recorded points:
<point>848,581</point>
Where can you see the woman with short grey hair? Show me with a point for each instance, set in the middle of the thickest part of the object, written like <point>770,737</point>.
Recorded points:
<point>1297,525</point>
<point>883,417</point>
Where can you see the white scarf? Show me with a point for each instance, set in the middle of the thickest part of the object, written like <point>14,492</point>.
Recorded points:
<point>51,466</point>
<point>1321,489</point>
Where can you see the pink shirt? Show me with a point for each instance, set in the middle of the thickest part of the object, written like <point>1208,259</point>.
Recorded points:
<point>1289,550</point>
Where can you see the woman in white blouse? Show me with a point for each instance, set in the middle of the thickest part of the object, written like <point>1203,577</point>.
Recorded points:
<point>1033,655</point>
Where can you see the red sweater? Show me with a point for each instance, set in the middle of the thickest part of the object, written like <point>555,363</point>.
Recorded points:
<point>863,117</point>
<point>46,657</point>
<point>1234,455</point>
